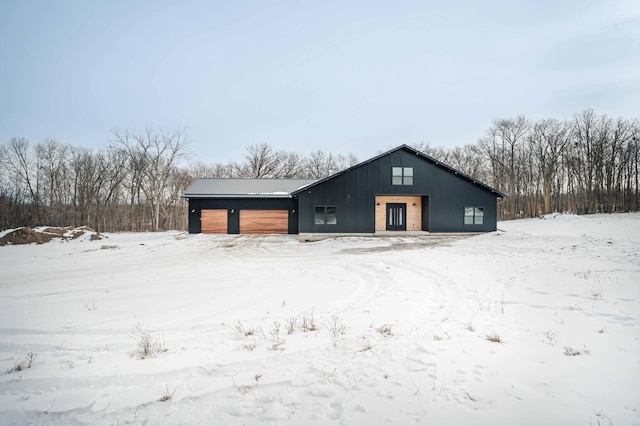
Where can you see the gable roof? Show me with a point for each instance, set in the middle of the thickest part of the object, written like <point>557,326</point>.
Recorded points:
<point>245,188</point>
<point>418,153</point>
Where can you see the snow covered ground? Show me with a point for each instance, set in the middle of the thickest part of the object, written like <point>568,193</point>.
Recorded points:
<point>371,330</point>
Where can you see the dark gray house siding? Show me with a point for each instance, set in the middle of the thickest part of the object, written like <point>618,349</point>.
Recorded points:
<point>444,194</point>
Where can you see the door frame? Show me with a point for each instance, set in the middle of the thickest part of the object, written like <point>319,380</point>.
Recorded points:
<point>396,212</point>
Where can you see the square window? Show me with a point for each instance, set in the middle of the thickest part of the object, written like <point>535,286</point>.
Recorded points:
<point>474,215</point>
<point>325,215</point>
<point>402,175</point>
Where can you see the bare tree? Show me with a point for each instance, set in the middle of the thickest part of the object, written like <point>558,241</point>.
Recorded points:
<point>153,157</point>
<point>589,138</point>
<point>439,153</point>
<point>503,146</point>
<point>174,207</point>
<point>261,161</point>
<point>468,159</point>
<point>216,170</point>
<point>53,158</point>
<point>290,165</point>
<point>23,166</point>
<point>616,156</point>
<point>320,165</point>
<point>548,140</point>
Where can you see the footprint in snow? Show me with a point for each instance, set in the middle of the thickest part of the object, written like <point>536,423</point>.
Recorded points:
<point>335,411</point>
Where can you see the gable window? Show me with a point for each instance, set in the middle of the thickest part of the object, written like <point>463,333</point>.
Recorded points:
<point>402,175</point>
<point>474,215</point>
<point>325,215</point>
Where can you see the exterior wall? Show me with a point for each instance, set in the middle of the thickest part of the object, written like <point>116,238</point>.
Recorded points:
<point>353,194</point>
<point>414,211</point>
<point>233,207</point>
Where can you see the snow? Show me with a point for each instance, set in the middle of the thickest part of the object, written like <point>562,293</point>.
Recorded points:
<point>402,326</point>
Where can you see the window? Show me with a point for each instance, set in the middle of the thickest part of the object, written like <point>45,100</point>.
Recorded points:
<point>402,175</point>
<point>473,215</point>
<point>326,215</point>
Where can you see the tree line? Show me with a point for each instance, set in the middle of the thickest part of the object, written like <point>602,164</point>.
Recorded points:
<point>586,164</point>
<point>134,184</point>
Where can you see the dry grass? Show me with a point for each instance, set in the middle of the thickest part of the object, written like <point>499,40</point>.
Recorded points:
<point>493,337</point>
<point>366,347</point>
<point>569,351</point>
<point>308,323</point>
<point>246,332</point>
<point>385,330</point>
<point>167,395</point>
<point>147,344</point>
<point>248,346</point>
<point>277,341</point>
<point>337,328</point>
<point>27,362</point>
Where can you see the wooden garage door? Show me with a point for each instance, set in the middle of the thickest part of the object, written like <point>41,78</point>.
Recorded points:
<point>264,222</point>
<point>213,221</point>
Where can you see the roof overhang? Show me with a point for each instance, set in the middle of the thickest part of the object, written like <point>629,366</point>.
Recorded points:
<point>223,188</point>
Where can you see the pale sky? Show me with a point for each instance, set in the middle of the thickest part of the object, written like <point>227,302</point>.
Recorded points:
<point>341,76</point>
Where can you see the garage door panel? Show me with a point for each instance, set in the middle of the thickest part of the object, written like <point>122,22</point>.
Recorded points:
<point>213,221</point>
<point>264,221</point>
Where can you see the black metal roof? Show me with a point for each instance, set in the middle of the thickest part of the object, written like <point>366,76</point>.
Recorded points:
<point>418,153</point>
<point>245,188</point>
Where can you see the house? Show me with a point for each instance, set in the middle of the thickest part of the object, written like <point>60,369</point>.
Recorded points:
<point>399,190</point>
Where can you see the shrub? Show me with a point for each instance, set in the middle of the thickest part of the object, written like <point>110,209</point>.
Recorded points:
<point>27,362</point>
<point>277,340</point>
<point>291,324</point>
<point>493,337</point>
<point>244,331</point>
<point>308,323</point>
<point>385,330</point>
<point>337,329</point>
<point>167,395</point>
<point>147,345</point>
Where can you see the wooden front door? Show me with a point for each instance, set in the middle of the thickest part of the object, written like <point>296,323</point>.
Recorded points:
<point>396,216</point>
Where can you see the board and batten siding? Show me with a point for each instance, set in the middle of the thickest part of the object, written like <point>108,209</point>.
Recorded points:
<point>444,195</point>
<point>414,211</point>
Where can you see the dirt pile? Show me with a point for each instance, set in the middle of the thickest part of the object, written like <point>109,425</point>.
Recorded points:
<point>43,235</point>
